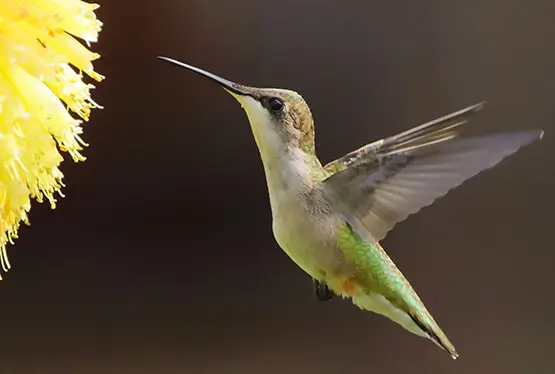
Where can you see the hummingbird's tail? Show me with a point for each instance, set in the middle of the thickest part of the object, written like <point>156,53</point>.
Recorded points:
<point>416,320</point>
<point>427,324</point>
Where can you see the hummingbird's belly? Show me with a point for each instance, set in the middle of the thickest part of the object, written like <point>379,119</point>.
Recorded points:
<point>310,240</point>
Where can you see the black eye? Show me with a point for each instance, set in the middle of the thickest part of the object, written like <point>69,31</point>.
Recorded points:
<point>275,104</point>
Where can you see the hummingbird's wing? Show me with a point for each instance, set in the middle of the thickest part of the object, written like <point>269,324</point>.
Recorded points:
<point>434,131</point>
<point>411,170</point>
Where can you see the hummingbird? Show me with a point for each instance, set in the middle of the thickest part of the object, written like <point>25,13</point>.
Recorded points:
<point>329,219</point>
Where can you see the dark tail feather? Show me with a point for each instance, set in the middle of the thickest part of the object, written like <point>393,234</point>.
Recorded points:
<point>436,335</point>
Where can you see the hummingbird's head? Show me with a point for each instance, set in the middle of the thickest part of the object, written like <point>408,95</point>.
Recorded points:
<point>279,118</point>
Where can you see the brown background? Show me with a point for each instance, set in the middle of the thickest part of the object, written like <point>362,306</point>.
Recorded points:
<point>161,258</point>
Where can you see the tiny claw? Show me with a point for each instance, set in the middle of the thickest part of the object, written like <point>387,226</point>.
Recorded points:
<point>323,293</point>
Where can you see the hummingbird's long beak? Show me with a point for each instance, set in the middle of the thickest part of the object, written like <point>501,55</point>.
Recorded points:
<point>232,87</point>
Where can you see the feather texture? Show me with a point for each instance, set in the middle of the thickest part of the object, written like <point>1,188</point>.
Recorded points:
<point>398,181</point>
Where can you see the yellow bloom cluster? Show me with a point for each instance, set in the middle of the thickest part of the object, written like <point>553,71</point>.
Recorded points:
<point>38,89</point>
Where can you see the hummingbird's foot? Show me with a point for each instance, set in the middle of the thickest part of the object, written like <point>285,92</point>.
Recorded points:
<point>323,293</point>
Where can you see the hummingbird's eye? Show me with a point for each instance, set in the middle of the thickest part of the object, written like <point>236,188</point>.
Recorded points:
<point>275,104</point>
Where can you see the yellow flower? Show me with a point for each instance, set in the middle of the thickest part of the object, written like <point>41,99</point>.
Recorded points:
<point>38,90</point>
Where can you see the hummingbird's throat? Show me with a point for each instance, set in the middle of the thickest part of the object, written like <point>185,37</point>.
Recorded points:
<point>286,165</point>
<point>271,141</point>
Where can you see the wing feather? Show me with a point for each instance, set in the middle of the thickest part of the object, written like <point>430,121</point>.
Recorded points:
<point>438,130</point>
<point>409,171</point>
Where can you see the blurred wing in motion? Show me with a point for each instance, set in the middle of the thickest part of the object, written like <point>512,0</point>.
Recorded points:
<point>440,129</point>
<point>397,176</point>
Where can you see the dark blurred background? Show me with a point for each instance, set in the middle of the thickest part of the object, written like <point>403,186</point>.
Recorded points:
<point>161,258</point>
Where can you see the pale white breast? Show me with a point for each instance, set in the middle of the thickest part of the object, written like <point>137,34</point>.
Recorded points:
<point>304,229</point>
<point>304,232</point>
